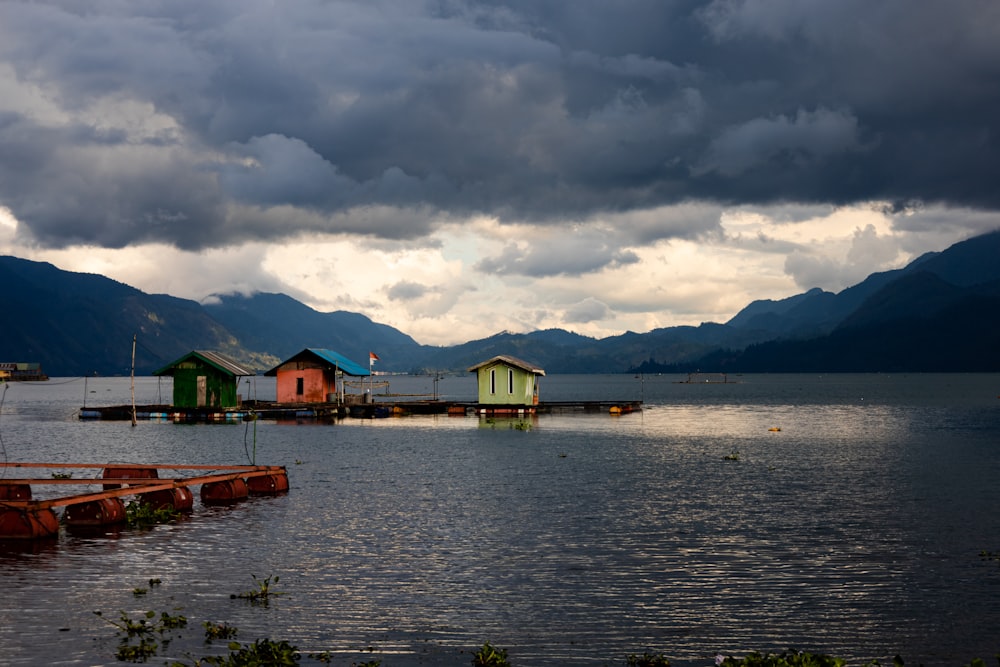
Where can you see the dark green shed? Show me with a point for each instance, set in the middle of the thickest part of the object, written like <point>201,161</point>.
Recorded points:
<point>205,380</point>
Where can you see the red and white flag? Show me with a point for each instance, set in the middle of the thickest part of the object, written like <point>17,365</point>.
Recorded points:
<point>372,358</point>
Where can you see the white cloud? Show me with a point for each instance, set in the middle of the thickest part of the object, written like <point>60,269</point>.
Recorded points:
<point>436,291</point>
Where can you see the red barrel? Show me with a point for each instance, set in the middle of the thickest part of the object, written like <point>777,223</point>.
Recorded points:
<point>102,512</point>
<point>127,473</point>
<point>28,524</point>
<point>224,492</point>
<point>15,492</point>
<point>180,498</point>
<point>268,484</point>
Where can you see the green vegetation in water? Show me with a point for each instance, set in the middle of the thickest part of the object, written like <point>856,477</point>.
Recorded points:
<point>490,656</point>
<point>218,631</point>
<point>262,594</point>
<point>990,556</point>
<point>143,515</point>
<point>262,652</point>
<point>142,637</point>
<point>732,456</point>
<point>140,590</point>
<point>647,660</point>
<point>787,659</point>
<point>147,631</point>
<point>62,475</point>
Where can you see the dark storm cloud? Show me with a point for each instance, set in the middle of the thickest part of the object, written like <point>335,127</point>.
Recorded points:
<point>202,123</point>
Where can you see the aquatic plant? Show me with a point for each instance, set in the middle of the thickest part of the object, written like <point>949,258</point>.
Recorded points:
<point>647,660</point>
<point>147,623</point>
<point>978,662</point>
<point>218,631</point>
<point>143,515</point>
<point>490,656</point>
<point>263,593</point>
<point>139,590</point>
<point>326,658</point>
<point>144,630</point>
<point>261,652</point>
<point>140,652</point>
<point>732,456</point>
<point>989,556</point>
<point>789,658</point>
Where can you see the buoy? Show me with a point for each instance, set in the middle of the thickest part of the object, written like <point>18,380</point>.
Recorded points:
<point>774,428</point>
<point>102,512</point>
<point>28,524</point>
<point>268,484</point>
<point>180,498</point>
<point>127,473</point>
<point>224,491</point>
<point>15,492</point>
<point>615,410</point>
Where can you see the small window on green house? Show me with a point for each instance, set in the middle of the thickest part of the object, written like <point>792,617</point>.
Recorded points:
<point>510,380</point>
<point>493,380</point>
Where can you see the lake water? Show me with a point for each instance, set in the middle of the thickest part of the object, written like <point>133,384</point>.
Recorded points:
<point>855,530</point>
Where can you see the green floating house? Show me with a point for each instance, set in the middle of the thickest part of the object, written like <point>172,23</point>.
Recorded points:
<point>205,380</point>
<point>507,381</point>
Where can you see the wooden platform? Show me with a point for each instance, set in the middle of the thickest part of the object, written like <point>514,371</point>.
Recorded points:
<point>249,411</point>
<point>24,517</point>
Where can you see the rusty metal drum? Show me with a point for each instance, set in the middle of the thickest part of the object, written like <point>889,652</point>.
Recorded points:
<point>28,523</point>
<point>268,485</point>
<point>125,473</point>
<point>15,492</point>
<point>101,512</point>
<point>180,498</point>
<point>224,492</point>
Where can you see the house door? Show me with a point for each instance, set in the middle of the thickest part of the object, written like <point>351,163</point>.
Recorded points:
<point>202,391</point>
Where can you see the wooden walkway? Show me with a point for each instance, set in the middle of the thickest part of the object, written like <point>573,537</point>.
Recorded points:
<point>332,411</point>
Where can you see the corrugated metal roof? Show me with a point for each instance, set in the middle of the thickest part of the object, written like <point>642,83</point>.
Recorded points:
<point>335,359</point>
<point>510,361</point>
<point>219,361</point>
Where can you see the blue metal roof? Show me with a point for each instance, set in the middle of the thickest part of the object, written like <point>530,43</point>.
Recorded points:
<point>342,362</point>
<point>335,359</point>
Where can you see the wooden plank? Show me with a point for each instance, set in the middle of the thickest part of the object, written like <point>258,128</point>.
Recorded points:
<point>131,486</point>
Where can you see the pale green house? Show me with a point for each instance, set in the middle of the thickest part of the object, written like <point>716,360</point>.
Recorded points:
<point>505,380</point>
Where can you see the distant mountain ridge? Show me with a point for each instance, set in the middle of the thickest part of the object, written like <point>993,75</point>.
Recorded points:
<point>940,312</point>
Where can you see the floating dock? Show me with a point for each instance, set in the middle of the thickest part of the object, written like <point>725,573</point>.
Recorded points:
<point>707,378</point>
<point>252,410</point>
<point>24,517</point>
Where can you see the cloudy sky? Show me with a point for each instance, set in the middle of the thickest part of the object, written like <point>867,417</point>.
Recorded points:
<point>455,168</point>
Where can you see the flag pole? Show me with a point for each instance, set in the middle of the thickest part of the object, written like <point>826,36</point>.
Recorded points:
<point>372,358</point>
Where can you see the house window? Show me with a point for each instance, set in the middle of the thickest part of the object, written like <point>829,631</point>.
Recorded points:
<point>510,380</point>
<point>493,380</point>
<point>299,386</point>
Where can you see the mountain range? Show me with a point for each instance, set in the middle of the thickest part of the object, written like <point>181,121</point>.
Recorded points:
<point>939,313</point>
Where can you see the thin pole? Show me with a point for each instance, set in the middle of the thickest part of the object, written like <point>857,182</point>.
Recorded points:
<point>133,380</point>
